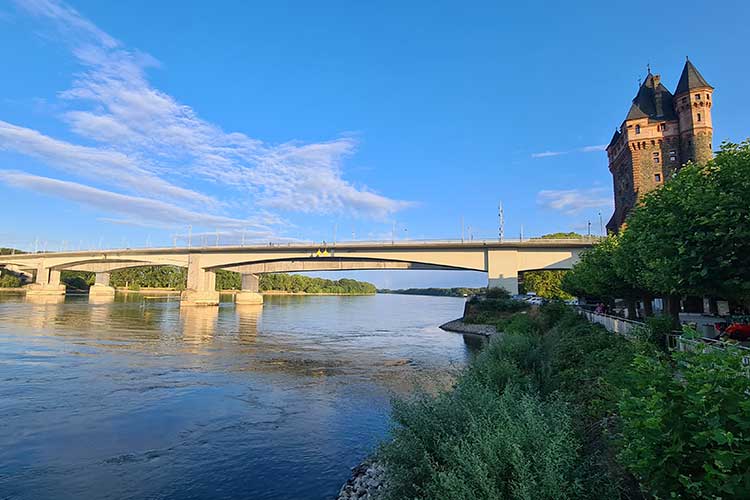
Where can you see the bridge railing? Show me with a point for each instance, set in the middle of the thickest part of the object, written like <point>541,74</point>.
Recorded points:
<point>206,243</point>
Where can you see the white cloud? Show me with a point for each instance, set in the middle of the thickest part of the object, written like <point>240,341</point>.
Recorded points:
<point>110,167</point>
<point>147,141</point>
<point>140,210</point>
<point>584,149</point>
<point>574,201</point>
<point>591,149</point>
<point>547,154</point>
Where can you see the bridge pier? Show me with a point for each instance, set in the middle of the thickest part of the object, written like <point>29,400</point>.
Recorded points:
<point>502,270</point>
<point>250,293</point>
<point>46,282</point>
<point>101,288</point>
<point>201,285</point>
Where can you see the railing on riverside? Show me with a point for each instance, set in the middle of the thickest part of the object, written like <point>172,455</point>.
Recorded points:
<point>675,341</point>
<point>613,324</point>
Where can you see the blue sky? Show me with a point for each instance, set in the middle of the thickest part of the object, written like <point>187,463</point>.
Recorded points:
<point>121,123</point>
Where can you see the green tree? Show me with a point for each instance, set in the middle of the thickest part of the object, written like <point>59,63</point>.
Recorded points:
<point>692,236</point>
<point>547,284</point>
<point>561,236</point>
<point>599,275</point>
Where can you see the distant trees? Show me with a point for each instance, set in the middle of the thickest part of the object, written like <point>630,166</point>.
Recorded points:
<point>176,277</point>
<point>561,236</point>
<point>439,292</point>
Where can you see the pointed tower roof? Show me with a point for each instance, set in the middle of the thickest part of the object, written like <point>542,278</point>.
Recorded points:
<point>652,101</point>
<point>690,79</point>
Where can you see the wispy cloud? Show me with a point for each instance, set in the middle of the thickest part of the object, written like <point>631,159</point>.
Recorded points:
<point>574,201</point>
<point>101,165</point>
<point>584,149</point>
<point>143,209</point>
<point>547,154</point>
<point>591,149</point>
<point>149,144</point>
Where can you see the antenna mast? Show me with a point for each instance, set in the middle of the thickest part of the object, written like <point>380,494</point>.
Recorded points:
<point>501,219</point>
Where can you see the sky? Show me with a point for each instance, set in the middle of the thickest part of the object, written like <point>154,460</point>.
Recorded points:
<point>144,123</point>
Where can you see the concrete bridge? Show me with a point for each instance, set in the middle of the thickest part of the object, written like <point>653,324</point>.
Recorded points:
<point>502,261</point>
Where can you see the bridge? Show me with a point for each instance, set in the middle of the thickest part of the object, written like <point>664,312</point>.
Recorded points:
<point>502,261</point>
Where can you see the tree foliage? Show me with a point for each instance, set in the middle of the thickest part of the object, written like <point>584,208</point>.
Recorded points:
<point>547,284</point>
<point>686,425</point>
<point>692,236</point>
<point>176,277</point>
<point>689,237</point>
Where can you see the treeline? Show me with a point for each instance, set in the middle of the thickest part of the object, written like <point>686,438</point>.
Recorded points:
<point>691,237</point>
<point>439,292</point>
<point>558,408</point>
<point>176,277</point>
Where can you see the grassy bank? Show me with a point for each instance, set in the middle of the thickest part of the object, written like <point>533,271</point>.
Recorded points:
<point>558,408</point>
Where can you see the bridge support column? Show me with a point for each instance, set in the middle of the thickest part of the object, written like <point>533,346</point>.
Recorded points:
<point>250,293</point>
<point>502,270</point>
<point>101,288</point>
<point>47,282</point>
<point>201,285</point>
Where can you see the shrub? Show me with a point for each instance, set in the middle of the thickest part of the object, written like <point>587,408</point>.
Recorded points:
<point>481,444</point>
<point>686,425</point>
<point>9,281</point>
<point>497,293</point>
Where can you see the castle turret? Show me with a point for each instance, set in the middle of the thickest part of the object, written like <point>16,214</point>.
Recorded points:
<point>692,102</point>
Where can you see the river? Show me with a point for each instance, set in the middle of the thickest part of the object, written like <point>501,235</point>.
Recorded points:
<point>138,399</point>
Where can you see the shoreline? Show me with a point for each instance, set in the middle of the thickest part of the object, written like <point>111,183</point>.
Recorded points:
<point>168,291</point>
<point>458,326</point>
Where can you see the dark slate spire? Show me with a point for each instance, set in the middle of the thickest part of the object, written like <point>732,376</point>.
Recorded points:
<point>652,101</point>
<point>690,79</point>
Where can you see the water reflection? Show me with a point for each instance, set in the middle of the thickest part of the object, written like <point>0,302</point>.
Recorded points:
<point>139,398</point>
<point>198,323</point>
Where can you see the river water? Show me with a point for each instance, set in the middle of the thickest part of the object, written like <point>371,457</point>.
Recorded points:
<point>137,399</point>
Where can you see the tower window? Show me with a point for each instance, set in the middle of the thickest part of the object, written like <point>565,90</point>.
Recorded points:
<point>708,97</point>
<point>672,155</point>
<point>657,177</point>
<point>699,117</point>
<point>637,129</point>
<point>656,157</point>
<point>697,97</point>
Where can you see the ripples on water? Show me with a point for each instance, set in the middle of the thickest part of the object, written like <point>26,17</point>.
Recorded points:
<point>138,398</point>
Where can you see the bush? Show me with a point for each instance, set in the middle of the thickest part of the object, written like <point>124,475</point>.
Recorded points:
<point>497,293</point>
<point>9,281</point>
<point>686,425</point>
<point>482,444</point>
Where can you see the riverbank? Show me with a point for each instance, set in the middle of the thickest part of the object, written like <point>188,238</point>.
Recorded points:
<point>458,326</point>
<point>524,419</point>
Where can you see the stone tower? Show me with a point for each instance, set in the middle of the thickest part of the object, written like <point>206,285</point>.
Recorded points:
<point>692,100</point>
<point>661,132</point>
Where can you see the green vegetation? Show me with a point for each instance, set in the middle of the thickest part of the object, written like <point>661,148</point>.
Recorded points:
<point>561,236</point>
<point>10,251</point>
<point>559,408</point>
<point>299,283</point>
<point>440,292</point>
<point>492,309</point>
<point>77,280</point>
<point>176,277</point>
<point>690,237</point>
<point>8,280</point>
<point>546,284</point>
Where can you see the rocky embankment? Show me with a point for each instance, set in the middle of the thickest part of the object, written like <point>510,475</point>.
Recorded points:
<point>367,483</point>
<point>459,326</point>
